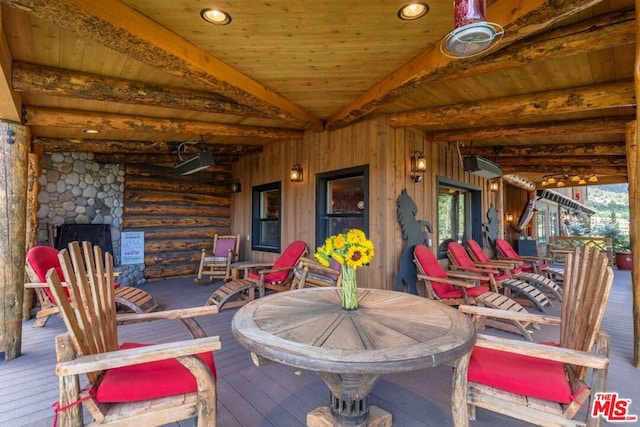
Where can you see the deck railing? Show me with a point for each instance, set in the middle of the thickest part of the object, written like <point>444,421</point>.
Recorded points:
<point>560,245</point>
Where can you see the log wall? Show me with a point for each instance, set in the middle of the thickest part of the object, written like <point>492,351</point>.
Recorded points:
<point>178,214</point>
<point>387,151</point>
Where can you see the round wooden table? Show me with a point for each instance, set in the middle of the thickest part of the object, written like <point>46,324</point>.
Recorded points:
<point>389,332</point>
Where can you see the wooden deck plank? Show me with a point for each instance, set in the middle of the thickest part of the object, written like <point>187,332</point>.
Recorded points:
<point>284,394</point>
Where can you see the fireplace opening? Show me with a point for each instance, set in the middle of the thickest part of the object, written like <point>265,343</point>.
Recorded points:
<point>97,234</point>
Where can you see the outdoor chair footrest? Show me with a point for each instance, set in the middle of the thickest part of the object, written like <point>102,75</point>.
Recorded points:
<point>545,284</point>
<point>232,294</point>
<point>135,299</point>
<point>502,302</point>
<point>524,289</point>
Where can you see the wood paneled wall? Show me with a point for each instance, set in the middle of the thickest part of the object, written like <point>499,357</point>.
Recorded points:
<point>387,151</point>
<point>178,214</point>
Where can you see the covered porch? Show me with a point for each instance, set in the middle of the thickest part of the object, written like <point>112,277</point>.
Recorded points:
<point>278,395</point>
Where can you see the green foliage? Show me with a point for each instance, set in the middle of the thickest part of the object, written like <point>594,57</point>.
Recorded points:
<point>577,228</point>
<point>612,229</point>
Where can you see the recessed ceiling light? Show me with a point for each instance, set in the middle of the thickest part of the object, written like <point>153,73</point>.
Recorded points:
<point>413,11</point>
<point>215,16</point>
<point>91,131</point>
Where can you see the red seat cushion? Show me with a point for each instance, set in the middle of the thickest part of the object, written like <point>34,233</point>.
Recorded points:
<point>460,255</point>
<point>149,380</point>
<point>525,375</point>
<point>477,251</point>
<point>431,267</point>
<point>287,259</point>
<point>42,259</point>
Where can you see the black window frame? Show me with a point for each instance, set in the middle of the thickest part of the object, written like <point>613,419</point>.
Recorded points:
<point>473,217</point>
<point>257,221</point>
<point>322,182</point>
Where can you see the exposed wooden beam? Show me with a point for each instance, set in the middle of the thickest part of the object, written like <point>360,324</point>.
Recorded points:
<point>605,31</point>
<point>118,26</point>
<point>158,159</point>
<point>604,150</point>
<point>611,126</point>
<point>10,101</point>
<point>148,147</point>
<point>551,168</point>
<point>579,99</point>
<point>561,161</point>
<point>39,116</point>
<point>38,79</point>
<point>520,19</point>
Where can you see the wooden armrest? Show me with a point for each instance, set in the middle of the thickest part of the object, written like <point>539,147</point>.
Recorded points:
<point>509,315</point>
<point>38,285</point>
<point>544,351</point>
<point>470,276</point>
<point>176,314</point>
<point>274,270</point>
<point>486,270</point>
<point>134,356</point>
<point>459,283</point>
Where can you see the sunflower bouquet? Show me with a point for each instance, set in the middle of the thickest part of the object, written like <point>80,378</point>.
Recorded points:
<point>352,250</point>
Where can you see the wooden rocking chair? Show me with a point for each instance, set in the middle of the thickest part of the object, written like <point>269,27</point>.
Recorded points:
<point>131,384</point>
<point>42,258</point>
<point>217,264</point>
<point>547,384</point>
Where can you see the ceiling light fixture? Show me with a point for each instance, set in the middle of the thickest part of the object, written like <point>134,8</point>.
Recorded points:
<point>91,131</point>
<point>560,179</point>
<point>472,35</point>
<point>215,16</point>
<point>413,11</point>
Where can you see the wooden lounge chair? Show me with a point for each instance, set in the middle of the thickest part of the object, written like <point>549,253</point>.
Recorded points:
<point>310,273</point>
<point>278,277</point>
<point>533,264</point>
<point>499,276</point>
<point>547,384</point>
<point>130,384</point>
<point>217,263</point>
<point>547,285</point>
<point>42,258</point>
<point>455,288</point>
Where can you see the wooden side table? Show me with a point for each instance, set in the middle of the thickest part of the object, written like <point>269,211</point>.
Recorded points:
<point>236,267</point>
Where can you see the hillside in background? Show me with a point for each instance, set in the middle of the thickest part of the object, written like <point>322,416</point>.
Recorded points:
<point>609,198</point>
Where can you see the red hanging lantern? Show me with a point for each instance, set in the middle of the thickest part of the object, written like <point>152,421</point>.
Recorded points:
<point>472,34</point>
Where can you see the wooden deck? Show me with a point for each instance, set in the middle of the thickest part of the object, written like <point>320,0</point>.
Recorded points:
<point>278,395</point>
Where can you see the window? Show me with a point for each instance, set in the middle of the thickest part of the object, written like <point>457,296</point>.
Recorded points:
<point>459,216</point>
<point>554,229</point>
<point>542,226</point>
<point>342,202</point>
<point>266,218</point>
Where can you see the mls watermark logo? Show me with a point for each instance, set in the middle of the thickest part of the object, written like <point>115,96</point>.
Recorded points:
<point>612,408</point>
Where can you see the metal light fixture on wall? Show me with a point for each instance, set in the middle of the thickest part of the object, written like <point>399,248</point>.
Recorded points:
<point>508,217</point>
<point>296,173</point>
<point>236,186</point>
<point>494,185</point>
<point>418,166</point>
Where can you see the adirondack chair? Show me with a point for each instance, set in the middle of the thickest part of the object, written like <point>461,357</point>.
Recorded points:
<point>547,285</point>
<point>499,276</point>
<point>217,264</point>
<point>456,288</point>
<point>547,384</point>
<point>42,258</point>
<point>534,264</point>
<point>309,273</point>
<point>130,384</point>
<point>277,277</point>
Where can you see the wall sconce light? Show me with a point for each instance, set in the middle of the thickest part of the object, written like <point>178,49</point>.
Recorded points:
<point>236,186</point>
<point>494,185</point>
<point>296,173</point>
<point>508,217</point>
<point>418,166</point>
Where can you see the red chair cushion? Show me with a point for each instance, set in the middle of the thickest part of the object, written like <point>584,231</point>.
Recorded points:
<point>460,255</point>
<point>477,251</point>
<point>148,380</point>
<point>42,259</point>
<point>506,249</point>
<point>525,375</point>
<point>287,259</point>
<point>223,246</point>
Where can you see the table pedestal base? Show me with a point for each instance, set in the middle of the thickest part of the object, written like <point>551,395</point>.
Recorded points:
<point>322,417</point>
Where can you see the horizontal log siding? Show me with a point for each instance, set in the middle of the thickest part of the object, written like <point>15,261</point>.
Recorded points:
<point>179,215</point>
<point>387,152</point>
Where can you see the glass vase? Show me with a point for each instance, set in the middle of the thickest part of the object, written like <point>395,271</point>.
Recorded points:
<point>349,289</point>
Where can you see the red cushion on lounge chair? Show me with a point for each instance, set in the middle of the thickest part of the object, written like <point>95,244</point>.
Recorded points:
<point>289,258</point>
<point>516,373</point>
<point>460,255</point>
<point>42,259</point>
<point>457,292</point>
<point>149,380</point>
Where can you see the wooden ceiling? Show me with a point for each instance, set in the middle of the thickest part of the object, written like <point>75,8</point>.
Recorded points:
<point>554,96</point>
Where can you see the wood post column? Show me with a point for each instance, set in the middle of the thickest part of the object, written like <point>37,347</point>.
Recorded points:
<point>14,148</point>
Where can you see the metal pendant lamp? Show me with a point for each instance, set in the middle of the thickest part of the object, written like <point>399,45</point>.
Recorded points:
<point>472,35</point>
